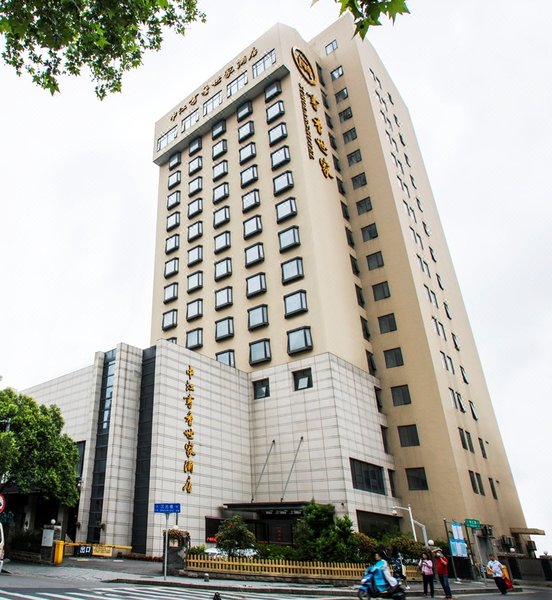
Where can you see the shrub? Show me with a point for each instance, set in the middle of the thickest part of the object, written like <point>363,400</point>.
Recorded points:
<point>197,549</point>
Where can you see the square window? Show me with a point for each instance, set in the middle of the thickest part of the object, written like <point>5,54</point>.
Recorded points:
<point>221,216</point>
<point>195,281</point>
<point>249,175</point>
<point>250,200</point>
<point>342,95</point>
<point>171,267</point>
<point>218,129</point>
<point>381,291</point>
<point>170,319</point>
<point>195,165</point>
<point>224,328</point>
<point>220,169</point>
<point>254,254</point>
<point>194,338</point>
<point>387,323</point>
<point>259,352</point>
<point>170,292</point>
<point>223,268</point>
<point>195,255</point>
<point>246,131</point>
<point>274,111</point>
<point>289,238</point>
<point>400,395</point>
<point>346,114</point>
<point>219,149</point>
<point>257,316</point>
<point>280,157</point>
<point>277,133</point>
<point>282,183</point>
<point>173,221</point>
<point>292,270</point>
<point>252,226</point>
<point>359,181</point>
<point>194,309</point>
<point>222,241</point>
<point>174,160</point>
<point>173,200</point>
<point>220,192</point>
<point>195,186</point>
<point>364,206</point>
<point>349,135</point>
<point>354,157</point>
<point>272,90</point>
<point>295,303</point>
<point>393,358</point>
<point>299,340</point>
<point>336,73</point>
<point>416,479</point>
<point>174,179</point>
<point>408,435</point>
<point>172,243</point>
<point>195,207</point>
<point>244,110</point>
<point>302,379</point>
<point>375,261</point>
<point>369,232</point>
<point>256,284</point>
<point>223,297</point>
<point>248,152</point>
<point>195,230</point>
<point>331,47</point>
<point>261,389</point>
<point>286,209</point>
<point>194,146</point>
<point>226,358</point>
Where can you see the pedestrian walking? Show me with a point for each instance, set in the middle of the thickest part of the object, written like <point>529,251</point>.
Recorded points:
<point>441,567</point>
<point>496,570</point>
<point>397,566</point>
<point>426,566</point>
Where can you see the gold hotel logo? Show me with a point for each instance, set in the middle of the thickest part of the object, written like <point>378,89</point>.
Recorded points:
<point>303,65</point>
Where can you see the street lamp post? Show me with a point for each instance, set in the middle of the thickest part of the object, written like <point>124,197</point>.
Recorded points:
<point>413,523</point>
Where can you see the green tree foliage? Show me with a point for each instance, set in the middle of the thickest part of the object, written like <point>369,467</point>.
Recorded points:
<point>51,38</point>
<point>40,458</point>
<point>366,546</point>
<point>233,535</point>
<point>367,13</point>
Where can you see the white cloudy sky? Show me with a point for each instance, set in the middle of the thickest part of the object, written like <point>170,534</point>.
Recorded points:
<point>78,193</point>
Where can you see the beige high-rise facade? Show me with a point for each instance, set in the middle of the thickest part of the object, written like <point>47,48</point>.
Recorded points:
<point>296,224</point>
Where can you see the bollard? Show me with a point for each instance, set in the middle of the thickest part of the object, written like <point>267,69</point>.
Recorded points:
<point>206,577</point>
<point>58,552</point>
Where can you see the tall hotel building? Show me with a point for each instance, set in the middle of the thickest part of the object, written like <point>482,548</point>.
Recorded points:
<point>298,241</point>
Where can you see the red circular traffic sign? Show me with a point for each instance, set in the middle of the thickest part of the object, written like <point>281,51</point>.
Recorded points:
<point>2,503</point>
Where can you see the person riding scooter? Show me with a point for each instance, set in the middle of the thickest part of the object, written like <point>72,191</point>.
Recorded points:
<point>378,581</point>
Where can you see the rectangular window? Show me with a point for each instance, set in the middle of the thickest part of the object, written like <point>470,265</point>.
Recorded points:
<point>482,448</point>
<point>195,230</point>
<point>367,477</point>
<point>236,84</point>
<point>174,179</point>
<point>171,267</point>
<point>470,442</point>
<point>277,133</point>
<point>364,328</point>
<point>280,157</point>
<point>219,149</point>
<point>194,309</point>
<point>359,295</point>
<point>274,111</point>
<point>244,110</point>
<point>252,227</point>
<point>194,338</point>
<point>195,207</point>
<point>408,435</point>
<point>393,358</point>
<point>463,441</point>
<point>224,328</point>
<point>264,63</point>
<point>174,160</point>
<point>375,261</point>
<point>195,255</point>
<point>341,95</point>
<point>254,254</point>
<point>331,47</point>
<point>295,303</point>
<point>369,232</point>
<point>173,200</point>
<point>194,145</point>
<point>349,135</point>
<point>282,183</point>
<point>364,206</point>
<point>400,395</point>
<point>299,340</point>
<point>473,482</point>
<point>289,238</point>
<point>354,157</point>
<point>350,238</point>
<point>354,265</point>
<point>387,323</point>
<point>272,90</point>
<point>195,186</point>
<point>170,319</point>
<point>257,316</point>
<point>226,358</point>
<point>473,411</point>
<point>221,216</point>
<point>172,243</point>
<point>286,209</point>
<point>464,374</point>
<point>372,369</point>
<point>195,165</point>
<point>336,73</point>
<point>222,241</point>
<point>359,181</point>
<point>493,488</point>
<point>249,175</point>
<point>195,281</point>
<point>259,352</point>
<point>220,169</point>
<point>345,114</point>
<point>189,121</point>
<point>381,291</point>
<point>261,389</point>
<point>218,129</point>
<point>416,479</point>
<point>251,200</point>
<point>170,292</point>
<point>248,152</point>
<point>246,130</point>
<point>256,284</point>
<point>210,105</point>
<point>167,138</point>
<point>385,438</point>
<point>223,297</point>
<point>292,270</point>
<point>302,379</point>
<point>223,268</point>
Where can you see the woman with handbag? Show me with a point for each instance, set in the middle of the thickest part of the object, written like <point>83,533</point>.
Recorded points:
<point>426,566</point>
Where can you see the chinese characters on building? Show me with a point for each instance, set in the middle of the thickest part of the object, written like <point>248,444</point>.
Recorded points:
<point>188,432</point>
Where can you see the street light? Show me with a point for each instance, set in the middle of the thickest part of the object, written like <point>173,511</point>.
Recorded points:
<point>413,523</point>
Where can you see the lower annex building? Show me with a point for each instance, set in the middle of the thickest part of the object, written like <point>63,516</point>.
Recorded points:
<point>309,338</point>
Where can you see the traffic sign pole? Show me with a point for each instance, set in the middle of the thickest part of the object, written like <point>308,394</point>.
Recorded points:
<point>166,545</point>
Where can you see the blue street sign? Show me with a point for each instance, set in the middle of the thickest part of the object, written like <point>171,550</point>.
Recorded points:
<point>165,507</point>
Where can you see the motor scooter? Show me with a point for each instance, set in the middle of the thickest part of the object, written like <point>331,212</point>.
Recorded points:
<point>368,589</point>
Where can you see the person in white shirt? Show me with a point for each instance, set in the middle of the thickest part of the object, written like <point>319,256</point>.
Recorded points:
<point>496,570</point>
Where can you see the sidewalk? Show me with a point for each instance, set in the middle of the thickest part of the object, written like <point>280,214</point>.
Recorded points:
<point>97,570</point>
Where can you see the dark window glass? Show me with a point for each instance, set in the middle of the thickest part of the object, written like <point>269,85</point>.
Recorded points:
<point>387,323</point>
<point>400,395</point>
<point>302,379</point>
<point>381,290</point>
<point>218,129</point>
<point>393,358</point>
<point>244,110</point>
<point>416,479</point>
<point>408,435</point>
<point>364,206</point>
<point>369,232</point>
<point>375,261</point>
<point>261,389</point>
<point>367,477</point>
